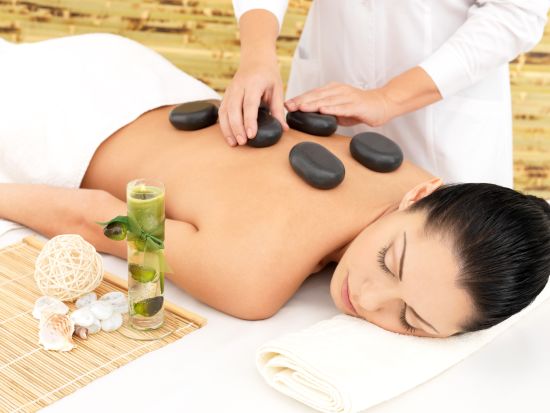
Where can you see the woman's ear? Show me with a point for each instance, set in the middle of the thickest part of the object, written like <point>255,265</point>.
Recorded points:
<point>419,192</point>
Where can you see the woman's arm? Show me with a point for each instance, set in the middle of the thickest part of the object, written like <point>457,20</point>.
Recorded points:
<point>405,93</point>
<point>495,32</point>
<point>202,264</point>
<point>258,77</point>
<point>51,210</point>
<point>277,7</point>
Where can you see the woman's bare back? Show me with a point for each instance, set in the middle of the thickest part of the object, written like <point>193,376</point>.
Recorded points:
<point>248,201</point>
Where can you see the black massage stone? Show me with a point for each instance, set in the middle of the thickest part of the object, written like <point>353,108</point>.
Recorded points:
<point>269,130</point>
<point>376,152</point>
<point>264,107</point>
<point>194,115</point>
<point>312,122</point>
<point>316,165</point>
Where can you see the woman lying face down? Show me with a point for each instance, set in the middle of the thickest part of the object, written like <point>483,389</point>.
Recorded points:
<point>243,231</point>
<point>461,259</point>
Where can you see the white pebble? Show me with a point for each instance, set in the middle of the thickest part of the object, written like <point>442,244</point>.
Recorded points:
<point>118,300</point>
<point>101,309</point>
<point>83,317</point>
<point>121,309</point>
<point>95,327</point>
<point>112,323</point>
<point>86,299</point>
<point>52,304</point>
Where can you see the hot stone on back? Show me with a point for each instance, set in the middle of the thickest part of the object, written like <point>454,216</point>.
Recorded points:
<point>194,115</point>
<point>376,152</point>
<point>269,130</point>
<point>313,123</point>
<point>316,165</point>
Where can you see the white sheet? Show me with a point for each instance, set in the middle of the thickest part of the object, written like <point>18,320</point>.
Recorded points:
<point>52,120</point>
<point>212,369</point>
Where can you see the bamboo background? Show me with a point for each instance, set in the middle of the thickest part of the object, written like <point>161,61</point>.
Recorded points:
<point>200,37</point>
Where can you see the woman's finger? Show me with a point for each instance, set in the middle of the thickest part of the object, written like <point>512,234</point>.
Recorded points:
<point>327,101</point>
<point>224,125</point>
<point>251,104</point>
<point>346,109</point>
<point>235,115</point>
<point>277,107</point>
<point>312,95</point>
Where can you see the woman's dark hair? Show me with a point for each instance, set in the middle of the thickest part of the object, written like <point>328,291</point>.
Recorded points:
<point>501,239</point>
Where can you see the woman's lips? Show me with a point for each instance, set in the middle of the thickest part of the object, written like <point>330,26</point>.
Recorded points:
<point>345,296</point>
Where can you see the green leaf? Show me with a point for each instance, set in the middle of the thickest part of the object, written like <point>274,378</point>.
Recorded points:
<point>123,219</point>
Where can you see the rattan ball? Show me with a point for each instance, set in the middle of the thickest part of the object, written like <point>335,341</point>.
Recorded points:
<point>67,267</point>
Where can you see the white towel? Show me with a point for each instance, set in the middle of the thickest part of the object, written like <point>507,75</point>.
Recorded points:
<point>61,98</point>
<point>346,364</point>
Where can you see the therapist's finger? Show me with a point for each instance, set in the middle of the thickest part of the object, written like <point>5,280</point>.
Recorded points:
<point>250,110</point>
<point>224,124</point>
<point>312,95</point>
<point>235,115</point>
<point>346,110</point>
<point>277,108</point>
<point>328,101</point>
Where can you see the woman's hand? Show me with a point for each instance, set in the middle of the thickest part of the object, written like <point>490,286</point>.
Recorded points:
<point>350,105</point>
<point>407,92</point>
<point>255,81</point>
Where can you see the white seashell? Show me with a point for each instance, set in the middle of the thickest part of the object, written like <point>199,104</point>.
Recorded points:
<point>101,309</point>
<point>56,331</point>
<point>118,300</point>
<point>52,304</point>
<point>95,327</point>
<point>83,317</point>
<point>81,332</point>
<point>112,323</point>
<point>86,299</point>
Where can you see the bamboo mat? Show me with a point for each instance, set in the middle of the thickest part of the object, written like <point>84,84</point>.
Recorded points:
<point>201,38</point>
<point>31,377</point>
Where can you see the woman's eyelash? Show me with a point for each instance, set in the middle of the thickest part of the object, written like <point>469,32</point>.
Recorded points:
<point>407,326</point>
<point>382,262</point>
<point>382,259</point>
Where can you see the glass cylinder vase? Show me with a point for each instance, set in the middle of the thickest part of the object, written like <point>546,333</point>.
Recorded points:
<point>146,214</point>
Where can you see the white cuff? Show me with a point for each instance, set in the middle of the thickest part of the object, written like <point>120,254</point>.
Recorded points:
<point>277,7</point>
<point>447,70</point>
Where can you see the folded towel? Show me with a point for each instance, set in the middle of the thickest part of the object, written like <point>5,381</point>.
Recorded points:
<point>346,364</point>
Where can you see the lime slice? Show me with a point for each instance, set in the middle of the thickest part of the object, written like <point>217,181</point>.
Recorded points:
<point>142,274</point>
<point>149,306</point>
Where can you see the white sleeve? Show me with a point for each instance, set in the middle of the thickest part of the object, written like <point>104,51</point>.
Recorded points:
<point>495,32</point>
<point>277,7</point>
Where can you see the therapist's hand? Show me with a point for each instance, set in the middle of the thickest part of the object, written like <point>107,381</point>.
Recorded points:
<point>350,105</point>
<point>256,81</point>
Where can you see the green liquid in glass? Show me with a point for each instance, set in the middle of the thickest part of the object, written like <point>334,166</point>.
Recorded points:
<point>145,277</point>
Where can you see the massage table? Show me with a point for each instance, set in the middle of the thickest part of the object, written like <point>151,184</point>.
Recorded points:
<point>213,370</point>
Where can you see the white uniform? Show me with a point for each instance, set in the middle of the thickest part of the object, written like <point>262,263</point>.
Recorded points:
<point>464,46</point>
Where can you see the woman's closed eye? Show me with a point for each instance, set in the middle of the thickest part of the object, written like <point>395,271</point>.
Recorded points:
<point>382,263</point>
<point>382,260</point>
<point>408,328</point>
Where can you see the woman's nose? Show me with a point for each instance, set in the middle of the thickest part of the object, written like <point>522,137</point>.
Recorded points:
<point>375,295</point>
